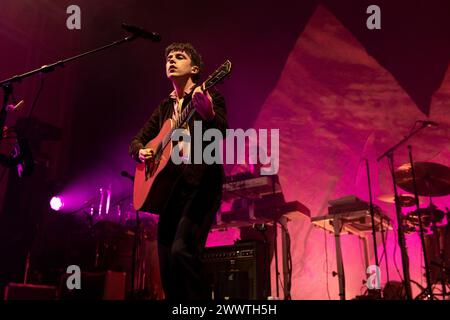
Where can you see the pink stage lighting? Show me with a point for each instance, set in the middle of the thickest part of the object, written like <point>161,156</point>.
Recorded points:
<point>56,203</point>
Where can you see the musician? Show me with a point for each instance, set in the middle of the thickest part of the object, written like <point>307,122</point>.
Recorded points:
<point>185,221</point>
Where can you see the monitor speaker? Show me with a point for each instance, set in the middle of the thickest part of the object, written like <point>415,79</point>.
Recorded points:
<point>20,291</point>
<point>238,272</point>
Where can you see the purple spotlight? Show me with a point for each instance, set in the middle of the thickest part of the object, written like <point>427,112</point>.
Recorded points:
<point>56,203</point>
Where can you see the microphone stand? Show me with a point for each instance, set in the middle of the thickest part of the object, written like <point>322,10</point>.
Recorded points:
<point>372,217</point>
<point>135,256</point>
<point>136,253</point>
<point>7,91</point>
<point>7,84</point>
<point>401,235</point>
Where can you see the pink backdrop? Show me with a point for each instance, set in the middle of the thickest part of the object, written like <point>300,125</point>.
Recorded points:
<point>334,105</point>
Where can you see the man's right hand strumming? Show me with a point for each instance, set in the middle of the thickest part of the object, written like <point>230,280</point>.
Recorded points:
<point>146,154</point>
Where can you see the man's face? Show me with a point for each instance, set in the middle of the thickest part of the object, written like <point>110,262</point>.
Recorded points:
<point>178,64</point>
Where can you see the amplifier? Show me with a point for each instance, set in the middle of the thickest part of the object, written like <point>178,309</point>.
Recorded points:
<point>109,285</point>
<point>20,291</point>
<point>238,272</point>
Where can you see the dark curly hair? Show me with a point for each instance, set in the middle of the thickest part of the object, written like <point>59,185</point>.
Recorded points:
<point>193,54</point>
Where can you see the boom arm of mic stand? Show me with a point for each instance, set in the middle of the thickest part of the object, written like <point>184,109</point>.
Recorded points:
<point>7,84</point>
<point>406,138</point>
<point>51,67</point>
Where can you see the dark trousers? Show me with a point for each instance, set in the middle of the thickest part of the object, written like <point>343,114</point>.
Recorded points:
<point>182,232</point>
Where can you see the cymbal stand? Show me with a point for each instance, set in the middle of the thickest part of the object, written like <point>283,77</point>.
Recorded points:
<point>422,239</point>
<point>442,265</point>
<point>401,235</point>
<point>441,249</point>
<point>444,271</point>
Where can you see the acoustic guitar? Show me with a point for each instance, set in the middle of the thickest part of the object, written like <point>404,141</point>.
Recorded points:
<point>152,185</point>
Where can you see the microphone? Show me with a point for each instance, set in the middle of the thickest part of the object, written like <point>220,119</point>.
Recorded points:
<point>139,32</point>
<point>12,107</point>
<point>125,174</point>
<point>427,123</point>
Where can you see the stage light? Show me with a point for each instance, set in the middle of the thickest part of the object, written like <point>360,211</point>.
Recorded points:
<point>56,203</point>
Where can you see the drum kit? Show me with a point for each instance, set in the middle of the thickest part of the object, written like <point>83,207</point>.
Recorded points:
<point>431,180</point>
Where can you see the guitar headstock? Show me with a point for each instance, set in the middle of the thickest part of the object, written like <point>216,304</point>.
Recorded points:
<point>217,76</point>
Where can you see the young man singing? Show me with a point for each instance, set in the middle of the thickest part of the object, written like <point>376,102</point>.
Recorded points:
<point>185,221</point>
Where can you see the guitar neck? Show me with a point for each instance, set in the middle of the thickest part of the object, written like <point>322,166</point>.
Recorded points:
<point>217,76</point>
<point>185,115</point>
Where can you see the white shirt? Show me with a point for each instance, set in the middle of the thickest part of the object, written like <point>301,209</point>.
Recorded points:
<point>185,146</point>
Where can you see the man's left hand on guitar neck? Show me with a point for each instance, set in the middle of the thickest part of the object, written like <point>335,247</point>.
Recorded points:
<point>202,102</point>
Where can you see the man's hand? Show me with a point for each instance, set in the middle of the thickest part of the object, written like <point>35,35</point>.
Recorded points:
<point>146,154</point>
<point>202,102</point>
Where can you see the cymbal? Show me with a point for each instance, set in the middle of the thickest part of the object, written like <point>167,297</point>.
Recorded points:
<point>432,179</point>
<point>429,215</point>
<point>406,200</point>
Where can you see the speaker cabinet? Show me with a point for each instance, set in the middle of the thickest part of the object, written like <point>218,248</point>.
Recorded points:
<point>20,291</point>
<point>238,272</point>
<point>107,285</point>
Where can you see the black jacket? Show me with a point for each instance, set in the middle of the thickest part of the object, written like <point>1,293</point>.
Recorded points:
<point>191,173</point>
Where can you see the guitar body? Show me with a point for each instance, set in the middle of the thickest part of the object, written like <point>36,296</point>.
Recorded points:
<point>151,185</point>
